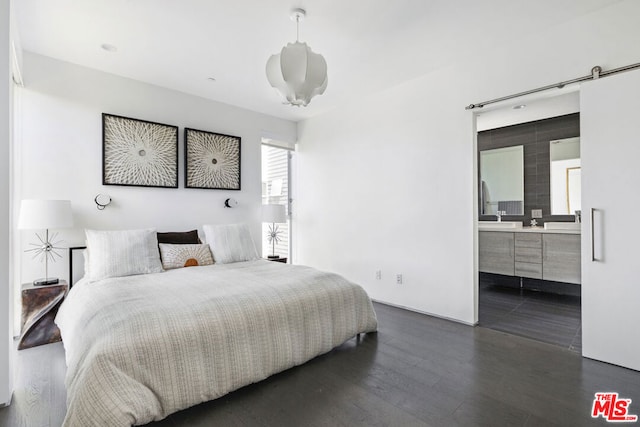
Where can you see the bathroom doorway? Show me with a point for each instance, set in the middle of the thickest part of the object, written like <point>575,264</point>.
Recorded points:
<point>529,275</point>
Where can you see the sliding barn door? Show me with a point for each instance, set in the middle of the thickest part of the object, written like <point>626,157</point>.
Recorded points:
<point>610,152</point>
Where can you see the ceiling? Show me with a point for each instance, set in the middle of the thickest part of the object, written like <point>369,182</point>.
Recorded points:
<point>369,45</point>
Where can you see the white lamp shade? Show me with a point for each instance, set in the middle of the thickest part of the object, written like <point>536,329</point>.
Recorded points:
<point>43,214</point>
<point>274,213</point>
<point>298,73</point>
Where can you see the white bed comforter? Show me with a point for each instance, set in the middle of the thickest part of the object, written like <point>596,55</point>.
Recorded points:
<point>139,348</point>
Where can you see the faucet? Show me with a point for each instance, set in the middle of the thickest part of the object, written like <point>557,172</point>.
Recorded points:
<point>499,215</point>
<point>578,216</point>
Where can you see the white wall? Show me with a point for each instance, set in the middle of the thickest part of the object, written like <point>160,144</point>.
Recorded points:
<point>373,176</point>
<point>6,343</point>
<point>59,153</point>
<point>388,182</point>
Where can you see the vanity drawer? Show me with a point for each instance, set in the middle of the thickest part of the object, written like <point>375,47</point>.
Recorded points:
<point>528,240</point>
<point>527,269</point>
<point>530,255</point>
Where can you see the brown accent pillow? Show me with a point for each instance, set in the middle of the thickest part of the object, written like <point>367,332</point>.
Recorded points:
<point>179,237</point>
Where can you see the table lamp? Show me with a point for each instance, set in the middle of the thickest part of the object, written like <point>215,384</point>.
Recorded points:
<point>274,214</point>
<point>45,214</point>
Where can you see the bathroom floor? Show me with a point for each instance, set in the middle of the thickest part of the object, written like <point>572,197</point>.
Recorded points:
<point>542,316</point>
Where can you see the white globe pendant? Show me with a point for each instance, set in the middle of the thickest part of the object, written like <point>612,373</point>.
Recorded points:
<point>297,72</point>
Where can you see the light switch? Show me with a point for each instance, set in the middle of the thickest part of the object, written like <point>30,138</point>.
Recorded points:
<point>536,213</point>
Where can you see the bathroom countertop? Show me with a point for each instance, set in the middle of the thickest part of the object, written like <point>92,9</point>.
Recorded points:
<point>538,229</point>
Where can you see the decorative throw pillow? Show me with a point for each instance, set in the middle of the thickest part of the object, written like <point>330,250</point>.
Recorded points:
<point>230,243</point>
<point>122,253</point>
<point>178,256</point>
<point>179,237</point>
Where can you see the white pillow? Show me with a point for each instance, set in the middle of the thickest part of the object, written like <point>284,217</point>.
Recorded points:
<point>230,243</point>
<point>184,255</point>
<point>122,253</point>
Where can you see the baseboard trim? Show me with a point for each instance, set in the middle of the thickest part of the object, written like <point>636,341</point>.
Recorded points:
<point>451,319</point>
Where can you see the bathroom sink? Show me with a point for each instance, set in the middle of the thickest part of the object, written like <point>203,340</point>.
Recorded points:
<point>483,225</point>
<point>562,226</point>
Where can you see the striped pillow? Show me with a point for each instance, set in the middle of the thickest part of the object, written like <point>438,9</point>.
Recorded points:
<point>122,253</point>
<point>230,243</point>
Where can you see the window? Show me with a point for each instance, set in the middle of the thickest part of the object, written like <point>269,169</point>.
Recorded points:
<point>276,189</point>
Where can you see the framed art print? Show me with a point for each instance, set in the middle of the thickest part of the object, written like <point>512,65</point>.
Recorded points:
<point>139,153</point>
<point>212,160</point>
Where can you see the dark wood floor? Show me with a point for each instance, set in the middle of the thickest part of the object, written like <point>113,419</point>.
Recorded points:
<point>542,316</point>
<point>417,370</point>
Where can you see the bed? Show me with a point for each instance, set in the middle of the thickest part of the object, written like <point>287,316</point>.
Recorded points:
<point>140,347</point>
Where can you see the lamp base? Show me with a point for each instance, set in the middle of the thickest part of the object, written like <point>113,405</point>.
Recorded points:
<point>46,282</point>
<point>273,256</point>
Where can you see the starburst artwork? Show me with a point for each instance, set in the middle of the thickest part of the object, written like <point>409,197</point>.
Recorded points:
<point>212,160</point>
<point>139,153</point>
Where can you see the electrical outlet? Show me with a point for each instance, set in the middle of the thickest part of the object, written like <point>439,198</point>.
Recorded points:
<point>536,213</point>
<point>378,274</point>
<point>399,279</point>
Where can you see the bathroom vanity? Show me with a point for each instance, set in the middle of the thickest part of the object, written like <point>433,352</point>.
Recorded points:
<point>531,171</point>
<point>532,252</point>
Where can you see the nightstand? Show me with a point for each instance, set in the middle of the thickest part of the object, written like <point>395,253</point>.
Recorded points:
<point>279,259</point>
<point>39,307</point>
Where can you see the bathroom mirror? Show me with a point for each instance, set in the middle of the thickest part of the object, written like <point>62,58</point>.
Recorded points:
<point>502,181</point>
<point>565,176</point>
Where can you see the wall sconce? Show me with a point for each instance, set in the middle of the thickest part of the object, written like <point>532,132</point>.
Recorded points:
<point>102,201</point>
<point>230,203</point>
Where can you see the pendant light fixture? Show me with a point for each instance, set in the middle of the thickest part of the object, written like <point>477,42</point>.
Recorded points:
<point>297,72</point>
